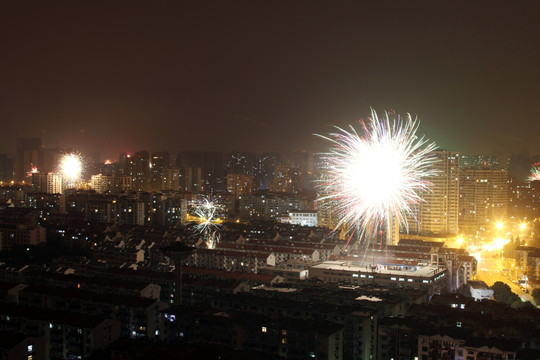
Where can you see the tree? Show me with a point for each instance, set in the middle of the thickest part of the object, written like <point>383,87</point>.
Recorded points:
<point>503,293</point>
<point>536,296</point>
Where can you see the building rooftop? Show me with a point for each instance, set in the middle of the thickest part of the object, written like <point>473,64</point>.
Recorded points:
<point>425,271</point>
<point>52,316</point>
<point>89,296</point>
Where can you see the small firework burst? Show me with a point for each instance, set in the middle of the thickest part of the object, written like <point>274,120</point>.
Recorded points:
<point>206,212</point>
<point>535,173</point>
<point>33,170</point>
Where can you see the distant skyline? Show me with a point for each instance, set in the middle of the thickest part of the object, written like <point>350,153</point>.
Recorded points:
<point>255,76</point>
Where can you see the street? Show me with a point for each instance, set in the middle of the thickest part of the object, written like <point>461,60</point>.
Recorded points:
<point>490,270</point>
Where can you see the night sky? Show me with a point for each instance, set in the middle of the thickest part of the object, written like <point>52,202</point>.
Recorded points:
<point>266,75</point>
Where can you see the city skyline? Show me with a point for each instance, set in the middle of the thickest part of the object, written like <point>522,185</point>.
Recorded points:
<point>265,77</point>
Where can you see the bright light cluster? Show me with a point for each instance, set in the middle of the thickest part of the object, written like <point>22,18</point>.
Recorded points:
<point>496,245</point>
<point>376,176</point>
<point>71,166</point>
<point>535,173</point>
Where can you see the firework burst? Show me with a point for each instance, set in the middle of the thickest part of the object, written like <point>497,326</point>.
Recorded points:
<point>208,222</point>
<point>535,173</point>
<point>375,177</point>
<point>71,166</point>
<point>33,170</point>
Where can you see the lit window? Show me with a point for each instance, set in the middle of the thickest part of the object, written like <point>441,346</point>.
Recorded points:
<point>263,329</point>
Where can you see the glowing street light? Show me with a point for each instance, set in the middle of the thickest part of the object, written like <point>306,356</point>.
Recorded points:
<point>499,225</point>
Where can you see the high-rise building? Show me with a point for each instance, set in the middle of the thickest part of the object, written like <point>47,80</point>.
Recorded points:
<point>439,213</point>
<point>159,162</point>
<point>27,156</point>
<point>54,183</point>
<point>138,167</point>
<point>239,184</point>
<point>39,182</point>
<point>240,163</point>
<point>111,184</point>
<point>6,168</point>
<point>212,167</point>
<point>483,197</point>
<point>170,179</point>
<point>191,179</point>
<point>480,162</point>
<point>519,165</point>
<point>523,199</point>
<point>264,169</point>
<point>283,179</point>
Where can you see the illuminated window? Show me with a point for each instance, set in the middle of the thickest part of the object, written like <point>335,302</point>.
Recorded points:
<point>263,329</point>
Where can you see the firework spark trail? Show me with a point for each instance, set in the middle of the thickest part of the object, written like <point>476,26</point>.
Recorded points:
<point>376,177</point>
<point>535,174</point>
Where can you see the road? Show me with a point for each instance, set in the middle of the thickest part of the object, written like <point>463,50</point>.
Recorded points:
<point>490,270</point>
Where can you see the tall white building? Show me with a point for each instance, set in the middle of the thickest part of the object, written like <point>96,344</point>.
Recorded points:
<point>439,214</point>
<point>111,183</point>
<point>54,183</point>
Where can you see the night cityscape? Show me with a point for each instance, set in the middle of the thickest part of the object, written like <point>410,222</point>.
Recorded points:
<point>270,180</point>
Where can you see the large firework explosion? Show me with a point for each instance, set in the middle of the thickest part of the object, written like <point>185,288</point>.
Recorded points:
<point>374,178</point>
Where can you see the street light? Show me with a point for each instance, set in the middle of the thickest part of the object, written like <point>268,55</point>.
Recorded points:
<point>499,225</point>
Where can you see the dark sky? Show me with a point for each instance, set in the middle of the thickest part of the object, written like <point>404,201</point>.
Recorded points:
<point>265,75</point>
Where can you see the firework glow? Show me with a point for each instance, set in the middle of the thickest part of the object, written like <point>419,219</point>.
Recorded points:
<point>375,177</point>
<point>207,219</point>
<point>535,173</point>
<point>71,166</point>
